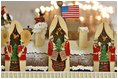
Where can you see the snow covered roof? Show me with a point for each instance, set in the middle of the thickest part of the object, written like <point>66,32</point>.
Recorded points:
<point>84,29</point>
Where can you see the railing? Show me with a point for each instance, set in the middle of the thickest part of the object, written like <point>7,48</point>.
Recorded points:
<point>58,74</point>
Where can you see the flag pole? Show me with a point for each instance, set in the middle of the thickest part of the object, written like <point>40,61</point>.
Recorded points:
<point>60,3</point>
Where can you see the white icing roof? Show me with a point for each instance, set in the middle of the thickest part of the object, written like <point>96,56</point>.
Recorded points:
<point>84,28</point>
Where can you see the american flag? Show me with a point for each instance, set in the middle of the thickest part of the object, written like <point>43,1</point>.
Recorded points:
<point>70,11</point>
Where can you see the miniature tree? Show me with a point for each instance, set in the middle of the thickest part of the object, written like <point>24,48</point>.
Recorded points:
<point>104,54</point>
<point>14,53</point>
<point>58,45</point>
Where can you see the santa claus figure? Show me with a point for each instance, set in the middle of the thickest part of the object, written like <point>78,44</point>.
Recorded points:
<point>96,52</point>
<point>7,51</point>
<point>2,13</point>
<point>39,17</point>
<point>6,18</point>
<point>111,50</point>
<point>3,10</point>
<point>22,50</point>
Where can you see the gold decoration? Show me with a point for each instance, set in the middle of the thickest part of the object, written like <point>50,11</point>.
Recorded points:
<point>18,26</point>
<point>4,37</point>
<point>25,37</point>
<point>104,37</point>
<point>59,3</point>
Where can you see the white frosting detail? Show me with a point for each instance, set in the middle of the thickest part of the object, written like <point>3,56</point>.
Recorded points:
<point>84,29</point>
<point>82,67</point>
<point>79,52</point>
<point>40,26</point>
<point>44,68</point>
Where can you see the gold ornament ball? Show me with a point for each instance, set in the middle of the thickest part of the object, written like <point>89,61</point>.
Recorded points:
<point>59,3</point>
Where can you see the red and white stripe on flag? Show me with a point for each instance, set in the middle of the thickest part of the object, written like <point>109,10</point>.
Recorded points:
<point>70,11</point>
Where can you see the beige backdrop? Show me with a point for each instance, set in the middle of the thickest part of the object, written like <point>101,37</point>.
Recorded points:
<point>24,13</point>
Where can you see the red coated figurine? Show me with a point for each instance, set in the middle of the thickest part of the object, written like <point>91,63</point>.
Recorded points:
<point>7,51</point>
<point>22,50</point>
<point>111,50</point>
<point>67,48</point>
<point>96,50</point>
<point>50,48</point>
<point>23,55</point>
